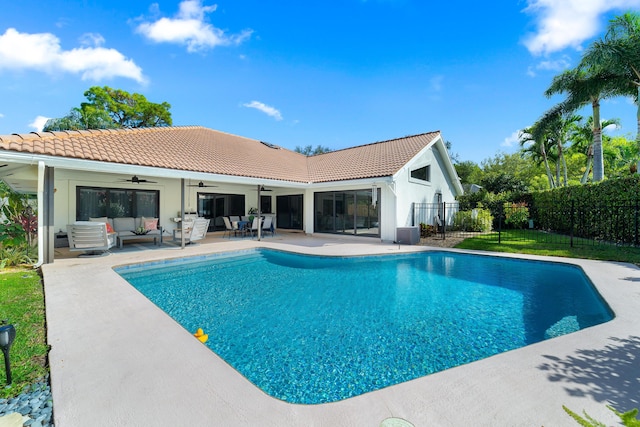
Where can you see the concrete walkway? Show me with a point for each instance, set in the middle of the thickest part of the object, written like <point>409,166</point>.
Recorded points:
<point>117,360</point>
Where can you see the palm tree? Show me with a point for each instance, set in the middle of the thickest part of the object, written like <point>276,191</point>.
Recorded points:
<point>537,149</point>
<point>583,142</point>
<point>619,53</point>
<point>555,125</point>
<point>586,84</point>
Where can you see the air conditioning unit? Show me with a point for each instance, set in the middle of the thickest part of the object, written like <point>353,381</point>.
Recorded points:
<point>408,235</point>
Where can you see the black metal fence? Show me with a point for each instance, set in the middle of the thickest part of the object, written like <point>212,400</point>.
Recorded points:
<point>571,224</point>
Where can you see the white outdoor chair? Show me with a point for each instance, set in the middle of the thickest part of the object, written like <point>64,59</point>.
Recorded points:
<point>91,238</point>
<point>199,229</point>
<point>230,226</point>
<point>267,226</point>
<point>254,226</point>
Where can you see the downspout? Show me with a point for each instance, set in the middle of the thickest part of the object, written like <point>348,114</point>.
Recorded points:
<point>182,243</point>
<point>392,187</point>
<point>259,215</point>
<point>41,228</point>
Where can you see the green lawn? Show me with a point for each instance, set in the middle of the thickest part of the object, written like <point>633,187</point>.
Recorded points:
<point>22,296</point>
<point>536,243</point>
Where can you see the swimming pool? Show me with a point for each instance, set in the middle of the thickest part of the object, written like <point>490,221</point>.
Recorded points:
<point>309,329</point>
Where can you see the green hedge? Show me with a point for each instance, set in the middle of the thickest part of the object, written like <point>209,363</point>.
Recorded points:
<point>604,211</point>
<point>608,210</point>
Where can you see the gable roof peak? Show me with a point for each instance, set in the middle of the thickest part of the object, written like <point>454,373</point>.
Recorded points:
<point>403,138</point>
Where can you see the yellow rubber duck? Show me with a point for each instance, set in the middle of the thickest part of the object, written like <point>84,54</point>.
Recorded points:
<point>201,335</point>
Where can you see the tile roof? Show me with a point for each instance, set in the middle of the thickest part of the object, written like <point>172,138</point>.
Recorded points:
<point>367,161</point>
<point>199,149</point>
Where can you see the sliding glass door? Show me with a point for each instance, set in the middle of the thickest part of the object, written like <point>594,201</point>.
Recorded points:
<point>289,212</point>
<point>347,212</point>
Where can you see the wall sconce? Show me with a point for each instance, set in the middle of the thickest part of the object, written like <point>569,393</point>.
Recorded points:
<point>7,335</point>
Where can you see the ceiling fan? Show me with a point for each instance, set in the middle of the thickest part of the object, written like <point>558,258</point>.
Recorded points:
<point>137,180</point>
<point>201,185</point>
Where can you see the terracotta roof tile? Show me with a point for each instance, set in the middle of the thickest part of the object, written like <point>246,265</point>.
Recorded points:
<point>195,148</point>
<point>368,161</point>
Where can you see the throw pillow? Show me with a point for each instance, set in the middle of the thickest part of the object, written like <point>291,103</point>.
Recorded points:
<point>150,223</point>
<point>109,228</point>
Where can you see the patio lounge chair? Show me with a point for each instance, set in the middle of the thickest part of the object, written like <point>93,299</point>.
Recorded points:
<point>197,231</point>
<point>91,238</point>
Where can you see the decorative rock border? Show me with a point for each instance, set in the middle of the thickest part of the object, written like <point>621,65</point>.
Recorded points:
<point>35,404</point>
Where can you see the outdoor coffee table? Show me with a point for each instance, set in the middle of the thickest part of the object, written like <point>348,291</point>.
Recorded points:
<point>133,236</point>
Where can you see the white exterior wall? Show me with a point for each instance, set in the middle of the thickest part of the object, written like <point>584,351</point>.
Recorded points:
<point>410,190</point>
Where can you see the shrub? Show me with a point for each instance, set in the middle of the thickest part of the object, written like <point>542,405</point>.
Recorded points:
<point>12,234</point>
<point>516,214</point>
<point>427,230</point>
<point>15,255</point>
<point>478,219</point>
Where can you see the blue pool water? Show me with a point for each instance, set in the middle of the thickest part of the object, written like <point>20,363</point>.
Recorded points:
<point>309,329</point>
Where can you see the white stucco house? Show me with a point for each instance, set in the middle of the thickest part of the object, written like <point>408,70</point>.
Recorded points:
<point>163,172</point>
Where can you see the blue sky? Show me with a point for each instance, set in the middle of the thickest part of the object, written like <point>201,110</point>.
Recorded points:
<point>292,73</point>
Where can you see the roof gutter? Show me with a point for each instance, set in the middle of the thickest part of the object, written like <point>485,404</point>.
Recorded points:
<point>119,168</point>
<point>364,181</point>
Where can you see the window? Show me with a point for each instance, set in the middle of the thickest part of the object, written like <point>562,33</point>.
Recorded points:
<point>265,204</point>
<point>94,202</point>
<point>423,173</point>
<point>216,205</point>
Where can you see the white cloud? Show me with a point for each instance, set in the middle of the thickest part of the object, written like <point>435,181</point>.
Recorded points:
<point>42,52</point>
<point>512,140</point>
<point>550,65</point>
<point>38,123</point>
<point>568,23</point>
<point>267,109</point>
<point>188,27</point>
<point>92,39</point>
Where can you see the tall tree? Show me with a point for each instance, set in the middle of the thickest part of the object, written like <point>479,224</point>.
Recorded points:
<point>583,143</point>
<point>109,108</point>
<point>468,171</point>
<point>556,125</point>
<point>587,84</point>
<point>127,110</point>
<point>79,119</point>
<point>537,148</point>
<point>310,151</point>
<point>619,53</point>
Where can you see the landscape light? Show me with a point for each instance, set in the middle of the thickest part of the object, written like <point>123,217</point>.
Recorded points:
<point>7,335</point>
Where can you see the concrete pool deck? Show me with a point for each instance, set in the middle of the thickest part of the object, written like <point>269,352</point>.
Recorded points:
<point>118,360</point>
